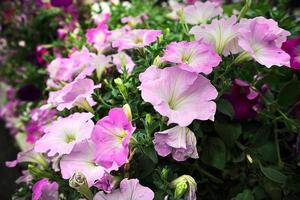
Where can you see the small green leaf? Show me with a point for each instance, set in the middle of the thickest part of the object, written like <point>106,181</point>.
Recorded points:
<point>273,174</point>
<point>245,195</point>
<point>150,152</point>
<point>213,153</point>
<point>228,131</point>
<point>289,94</point>
<point>224,107</point>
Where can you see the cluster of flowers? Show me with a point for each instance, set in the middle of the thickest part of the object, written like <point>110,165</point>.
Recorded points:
<point>176,85</point>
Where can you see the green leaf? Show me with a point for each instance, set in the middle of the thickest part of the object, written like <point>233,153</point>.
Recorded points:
<point>150,152</point>
<point>273,174</point>
<point>245,195</point>
<point>267,152</point>
<point>213,153</point>
<point>289,94</point>
<point>224,107</point>
<point>228,131</point>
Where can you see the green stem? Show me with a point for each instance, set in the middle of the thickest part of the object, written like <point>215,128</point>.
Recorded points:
<point>209,175</point>
<point>280,163</point>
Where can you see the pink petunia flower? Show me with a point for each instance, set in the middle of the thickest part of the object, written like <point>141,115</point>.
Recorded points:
<point>121,60</point>
<point>262,39</point>
<point>77,93</point>
<point>81,160</point>
<point>28,156</point>
<point>175,93</point>
<point>61,69</point>
<point>137,38</point>
<point>101,18</point>
<point>45,190</point>
<point>111,136</point>
<point>201,13</point>
<point>193,56</point>
<point>133,21</point>
<point>63,134</point>
<point>178,141</point>
<point>292,47</point>
<point>129,189</point>
<point>222,34</point>
<point>39,119</point>
<point>98,36</point>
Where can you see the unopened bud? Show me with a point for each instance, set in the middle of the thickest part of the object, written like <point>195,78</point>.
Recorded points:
<point>183,184</point>
<point>148,119</point>
<point>180,189</point>
<point>77,180</point>
<point>157,61</point>
<point>127,111</point>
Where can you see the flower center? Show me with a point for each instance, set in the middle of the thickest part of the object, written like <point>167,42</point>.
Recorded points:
<point>138,39</point>
<point>186,58</point>
<point>120,135</point>
<point>70,137</point>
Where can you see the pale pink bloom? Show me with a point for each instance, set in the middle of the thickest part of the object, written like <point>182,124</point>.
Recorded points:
<point>62,135</point>
<point>77,66</point>
<point>117,33</point>
<point>175,93</point>
<point>25,178</point>
<point>101,18</point>
<point>130,189</point>
<point>121,60</point>
<point>193,56</point>
<point>77,93</point>
<point>111,136</point>
<point>45,190</point>
<point>137,38</point>
<point>81,160</point>
<point>178,141</point>
<point>262,39</point>
<point>28,156</point>
<point>222,34</point>
<point>98,36</point>
<point>176,9</point>
<point>61,69</point>
<point>82,63</point>
<point>201,13</point>
<point>133,21</point>
<point>101,63</point>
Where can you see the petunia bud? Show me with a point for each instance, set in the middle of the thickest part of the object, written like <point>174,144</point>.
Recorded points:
<point>121,87</point>
<point>78,181</point>
<point>185,184</point>
<point>157,61</point>
<point>127,111</point>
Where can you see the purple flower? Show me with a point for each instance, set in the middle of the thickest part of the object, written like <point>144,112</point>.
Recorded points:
<point>61,3</point>
<point>45,190</point>
<point>98,36</point>
<point>29,92</point>
<point>111,136</point>
<point>129,189</point>
<point>292,47</point>
<point>178,141</point>
<point>107,183</point>
<point>243,99</point>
